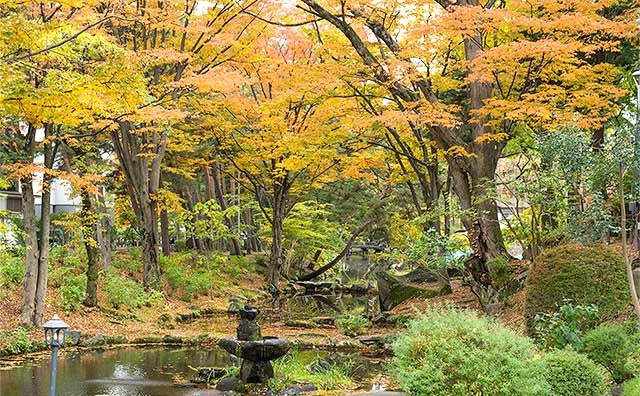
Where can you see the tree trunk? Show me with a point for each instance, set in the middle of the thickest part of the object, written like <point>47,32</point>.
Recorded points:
<point>150,246</point>
<point>275,259</point>
<point>45,231</point>
<point>104,231</point>
<point>214,186</point>
<point>164,232</point>
<point>140,156</point>
<point>30,280</point>
<point>90,237</point>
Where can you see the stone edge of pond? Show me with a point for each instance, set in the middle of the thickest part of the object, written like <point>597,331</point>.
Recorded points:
<point>100,341</point>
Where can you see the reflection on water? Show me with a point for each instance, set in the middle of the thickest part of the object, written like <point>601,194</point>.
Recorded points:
<point>138,371</point>
<point>117,372</point>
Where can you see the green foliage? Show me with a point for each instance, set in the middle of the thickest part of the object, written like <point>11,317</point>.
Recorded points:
<point>207,220</point>
<point>11,269</point>
<point>17,342</point>
<point>130,263</point>
<point>502,277</point>
<point>615,349</point>
<point>571,374</point>
<point>632,388</point>
<point>584,274</point>
<point>122,292</point>
<point>291,370</point>
<point>410,240</point>
<point>352,325</point>
<point>190,275</point>
<point>564,326</point>
<point>455,353</point>
<point>307,229</point>
<point>72,292</point>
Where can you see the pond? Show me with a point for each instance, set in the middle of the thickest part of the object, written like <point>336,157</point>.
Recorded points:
<point>132,371</point>
<point>117,372</point>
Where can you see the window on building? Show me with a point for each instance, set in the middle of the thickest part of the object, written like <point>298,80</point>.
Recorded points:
<point>14,204</point>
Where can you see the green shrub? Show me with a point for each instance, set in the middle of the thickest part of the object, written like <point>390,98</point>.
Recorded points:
<point>190,275</point>
<point>569,373</point>
<point>632,388</point>
<point>17,342</point>
<point>72,292</point>
<point>11,268</point>
<point>583,274</point>
<point>352,325</point>
<point>615,349</point>
<point>123,292</point>
<point>455,353</point>
<point>564,327</point>
<point>291,370</point>
<point>129,263</point>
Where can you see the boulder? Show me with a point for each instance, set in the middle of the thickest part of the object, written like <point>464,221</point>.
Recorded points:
<point>73,337</point>
<point>228,384</point>
<point>393,290</point>
<point>94,341</point>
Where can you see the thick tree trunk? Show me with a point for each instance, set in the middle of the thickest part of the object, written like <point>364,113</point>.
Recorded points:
<point>140,156</point>
<point>150,246</point>
<point>90,237</point>
<point>37,255</point>
<point>45,231</point>
<point>30,280</point>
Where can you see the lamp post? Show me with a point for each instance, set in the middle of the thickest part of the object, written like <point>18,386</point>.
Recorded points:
<point>55,332</point>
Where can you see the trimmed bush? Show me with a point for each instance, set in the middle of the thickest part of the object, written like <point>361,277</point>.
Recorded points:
<point>455,353</point>
<point>614,348</point>
<point>583,274</point>
<point>632,388</point>
<point>572,374</point>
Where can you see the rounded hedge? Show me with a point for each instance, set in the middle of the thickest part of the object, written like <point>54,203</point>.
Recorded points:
<point>584,274</point>
<point>569,373</point>
<point>455,353</point>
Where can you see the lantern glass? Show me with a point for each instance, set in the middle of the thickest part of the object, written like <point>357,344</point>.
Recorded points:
<point>55,332</point>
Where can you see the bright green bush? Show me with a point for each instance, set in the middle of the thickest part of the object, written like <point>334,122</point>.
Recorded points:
<point>569,373</point>
<point>123,292</point>
<point>584,274</point>
<point>455,353</point>
<point>72,292</point>
<point>17,342</point>
<point>291,369</point>
<point>564,327</point>
<point>11,268</point>
<point>352,325</point>
<point>632,388</point>
<point>615,349</point>
<point>190,275</point>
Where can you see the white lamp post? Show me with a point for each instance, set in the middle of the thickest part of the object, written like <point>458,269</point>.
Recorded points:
<point>55,332</point>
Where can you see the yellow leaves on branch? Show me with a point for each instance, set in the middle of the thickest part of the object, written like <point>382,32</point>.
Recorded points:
<point>34,171</point>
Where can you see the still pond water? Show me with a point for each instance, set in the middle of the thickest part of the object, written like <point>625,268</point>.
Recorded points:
<point>115,372</point>
<point>139,371</point>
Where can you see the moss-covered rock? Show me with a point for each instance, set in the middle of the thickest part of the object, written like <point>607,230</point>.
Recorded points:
<point>393,291</point>
<point>584,274</point>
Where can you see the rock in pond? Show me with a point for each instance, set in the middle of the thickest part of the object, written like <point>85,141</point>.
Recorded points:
<point>228,384</point>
